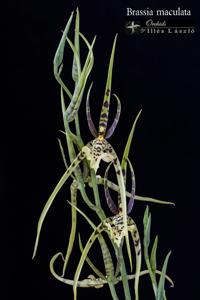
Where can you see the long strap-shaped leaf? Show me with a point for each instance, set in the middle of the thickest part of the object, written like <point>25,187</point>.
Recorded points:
<point>90,263</point>
<point>89,244</point>
<point>161,286</point>
<point>76,66</point>
<point>106,101</point>
<point>125,159</point>
<point>79,89</point>
<point>49,202</point>
<point>73,188</point>
<point>108,263</point>
<point>58,58</point>
<point>71,138</point>
<point>76,57</point>
<point>146,243</point>
<point>63,157</point>
<point>129,141</point>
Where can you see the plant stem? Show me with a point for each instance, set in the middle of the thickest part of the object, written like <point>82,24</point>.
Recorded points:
<point>96,195</point>
<point>113,291</point>
<point>124,276</point>
<point>78,133</point>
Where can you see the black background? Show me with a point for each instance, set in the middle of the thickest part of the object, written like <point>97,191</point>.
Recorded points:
<point>158,74</point>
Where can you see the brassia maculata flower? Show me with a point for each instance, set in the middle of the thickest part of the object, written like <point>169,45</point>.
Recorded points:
<point>83,169</point>
<point>114,227</point>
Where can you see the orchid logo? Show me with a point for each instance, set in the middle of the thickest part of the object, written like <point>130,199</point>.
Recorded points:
<point>133,27</point>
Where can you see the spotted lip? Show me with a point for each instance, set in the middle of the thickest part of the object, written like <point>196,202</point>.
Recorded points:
<point>96,151</point>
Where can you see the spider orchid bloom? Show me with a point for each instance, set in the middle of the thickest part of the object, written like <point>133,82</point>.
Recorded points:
<point>99,149</point>
<point>112,226</point>
<point>115,226</point>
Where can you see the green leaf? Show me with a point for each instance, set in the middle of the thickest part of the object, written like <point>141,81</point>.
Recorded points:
<point>153,200</point>
<point>76,56</point>
<point>84,255</point>
<point>129,141</point>
<point>84,215</point>
<point>110,68</point>
<point>161,286</point>
<point>76,65</point>
<point>145,218</point>
<point>105,109</point>
<point>90,263</point>
<point>50,200</point>
<point>58,58</point>
<point>73,107</point>
<point>153,255</point>
<point>147,231</point>
<point>147,227</point>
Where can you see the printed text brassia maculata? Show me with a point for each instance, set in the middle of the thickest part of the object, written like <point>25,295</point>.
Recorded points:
<point>158,12</point>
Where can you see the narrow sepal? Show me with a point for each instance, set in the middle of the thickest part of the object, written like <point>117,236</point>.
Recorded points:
<point>88,114</point>
<point>116,120</point>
